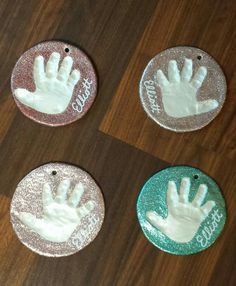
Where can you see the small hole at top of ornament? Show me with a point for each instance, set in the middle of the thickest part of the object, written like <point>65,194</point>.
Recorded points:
<point>67,50</point>
<point>54,173</point>
<point>195,177</point>
<point>199,57</point>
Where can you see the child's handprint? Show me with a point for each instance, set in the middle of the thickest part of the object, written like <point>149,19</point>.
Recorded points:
<point>179,91</point>
<point>184,218</point>
<point>54,88</point>
<point>61,216</point>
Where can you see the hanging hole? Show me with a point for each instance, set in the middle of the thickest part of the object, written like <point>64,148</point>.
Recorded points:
<point>54,173</point>
<point>67,50</point>
<point>195,177</point>
<point>199,57</point>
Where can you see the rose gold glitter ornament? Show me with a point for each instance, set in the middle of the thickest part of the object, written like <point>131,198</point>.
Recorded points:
<point>57,209</point>
<point>182,89</point>
<point>54,83</point>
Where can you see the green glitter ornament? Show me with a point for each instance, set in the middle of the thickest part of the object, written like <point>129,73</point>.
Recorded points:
<point>181,210</point>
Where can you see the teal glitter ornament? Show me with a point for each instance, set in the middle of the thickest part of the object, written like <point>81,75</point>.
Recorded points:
<point>181,210</point>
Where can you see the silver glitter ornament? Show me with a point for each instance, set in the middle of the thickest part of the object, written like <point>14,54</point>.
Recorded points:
<point>182,89</point>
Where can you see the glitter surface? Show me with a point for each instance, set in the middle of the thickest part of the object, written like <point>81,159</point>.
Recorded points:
<point>28,198</point>
<point>153,197</point>
<point>22,77</point>
<point>214,87</point>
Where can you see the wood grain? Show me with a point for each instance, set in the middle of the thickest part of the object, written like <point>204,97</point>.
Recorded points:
<point>177,26</point>
<point>120,37</point>
<point>212,149</point>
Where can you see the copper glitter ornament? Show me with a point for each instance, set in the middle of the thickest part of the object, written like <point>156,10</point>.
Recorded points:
<point>182,89</point>
<point>54,83</point>
<point>57,210</point>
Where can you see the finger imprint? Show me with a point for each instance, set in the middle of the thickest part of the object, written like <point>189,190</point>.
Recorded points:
<point>154,219</point>
<point>74,78</point>
<point>172,195</point>
<point>187,71</point>
<point>173,71</point>
<point>47,195</point>
<point>85,209</point>
<point>65,69</point>
<point>52,65</point>
<point>207,105</point>
<point>76,195</point>
<point>199,77</point>
<point>184,189</point>
<point>62,190</point>
<point>38,70</point>
<point>208,207</point>
<point>200,196</point>
<point>24,96</point>
<point>161,78</point>
<point>28,219</point>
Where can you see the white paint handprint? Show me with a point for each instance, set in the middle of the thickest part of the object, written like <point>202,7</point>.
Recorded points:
<point>179,91</point>
<point>184,218</point>
<point>54,88</point>
<point>61,216</point>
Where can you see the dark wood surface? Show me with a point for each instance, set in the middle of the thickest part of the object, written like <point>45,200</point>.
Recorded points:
<point>115,141</point>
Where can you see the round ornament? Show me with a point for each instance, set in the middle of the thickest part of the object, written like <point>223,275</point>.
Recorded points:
<point>181,210</point>
<point>57,210</point>
<point>182,89</point>
<point>54,83</point>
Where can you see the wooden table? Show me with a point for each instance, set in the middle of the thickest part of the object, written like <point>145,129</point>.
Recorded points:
<point>116,142</point>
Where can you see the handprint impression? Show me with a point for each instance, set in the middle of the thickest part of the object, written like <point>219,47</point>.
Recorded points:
<point>184,218</point>
<point>61,216</point>
<point>179,93</point>
<point>54,88</point>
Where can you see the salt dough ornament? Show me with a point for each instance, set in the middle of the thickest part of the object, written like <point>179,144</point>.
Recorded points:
<point>182,89</point>
<point>57,210</point>
<point>54,83</point>
<point>181,210</point>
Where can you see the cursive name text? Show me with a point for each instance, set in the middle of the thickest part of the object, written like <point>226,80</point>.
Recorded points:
<point>84,232</point>
<point>152,97</point>
<point>79,103</point>
<point>209,229</point>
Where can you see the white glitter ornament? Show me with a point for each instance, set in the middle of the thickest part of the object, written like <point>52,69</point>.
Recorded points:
<point>182,89</point>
